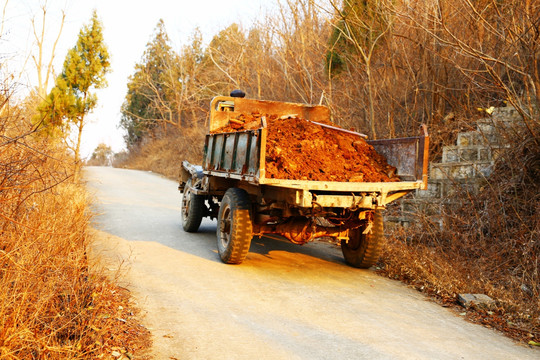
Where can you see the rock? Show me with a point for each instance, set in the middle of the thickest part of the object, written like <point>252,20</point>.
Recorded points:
<point>448,117</point>
<point>526,290</point>
<point>479,300</point>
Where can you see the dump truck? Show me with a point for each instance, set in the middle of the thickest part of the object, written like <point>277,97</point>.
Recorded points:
<point>232,186</point>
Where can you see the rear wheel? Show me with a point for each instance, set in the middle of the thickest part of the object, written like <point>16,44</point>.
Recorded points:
<point>234,227</point>
<point>192,209</point>
<point>363,250</point>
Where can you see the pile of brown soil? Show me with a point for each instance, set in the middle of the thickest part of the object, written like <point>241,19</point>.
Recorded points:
<point>301,150</point>
<point>298,149</point>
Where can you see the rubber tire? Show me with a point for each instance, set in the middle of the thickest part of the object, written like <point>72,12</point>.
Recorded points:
<point>363,250</point>
<point>234,228</point>
<point>192,209</point>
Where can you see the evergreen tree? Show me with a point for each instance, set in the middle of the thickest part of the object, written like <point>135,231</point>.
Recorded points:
<point>150,99</point>
<point>101,156</point>
<point>72,97</point>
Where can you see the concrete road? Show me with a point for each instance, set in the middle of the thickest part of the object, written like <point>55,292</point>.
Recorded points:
<point>284,302</point>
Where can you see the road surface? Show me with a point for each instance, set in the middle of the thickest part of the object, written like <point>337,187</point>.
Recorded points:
<point>284,302</point>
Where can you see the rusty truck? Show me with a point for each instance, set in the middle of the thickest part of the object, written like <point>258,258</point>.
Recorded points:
<point>231,186</point>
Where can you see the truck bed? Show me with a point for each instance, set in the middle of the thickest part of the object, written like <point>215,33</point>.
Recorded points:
<point>241,154</point>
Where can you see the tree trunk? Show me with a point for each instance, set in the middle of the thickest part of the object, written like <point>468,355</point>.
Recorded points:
<point>371,101</point>
<point>77,169</point>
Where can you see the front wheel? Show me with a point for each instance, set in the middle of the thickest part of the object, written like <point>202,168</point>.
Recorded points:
<point>363,250</point>
<point>234,227</point>
<point>192,209</point>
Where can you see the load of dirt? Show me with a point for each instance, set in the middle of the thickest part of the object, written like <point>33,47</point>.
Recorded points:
<point>298,149</point>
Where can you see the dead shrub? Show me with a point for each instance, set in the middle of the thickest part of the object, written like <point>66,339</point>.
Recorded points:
<point>164,154</point>
<point>52,306</point>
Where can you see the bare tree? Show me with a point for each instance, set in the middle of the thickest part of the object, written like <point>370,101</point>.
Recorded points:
<point>3,18</point>
<point>44,71</point>
<point>494,45</point>
<point>362,26</point>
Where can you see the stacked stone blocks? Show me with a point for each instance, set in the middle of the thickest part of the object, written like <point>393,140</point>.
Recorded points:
<point>463,169</point>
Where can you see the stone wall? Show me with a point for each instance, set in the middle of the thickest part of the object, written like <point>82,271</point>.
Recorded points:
<point>462,171</point>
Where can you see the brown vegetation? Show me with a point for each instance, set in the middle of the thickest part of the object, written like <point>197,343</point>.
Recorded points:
<point>163,155</point>
<point>54,304</point>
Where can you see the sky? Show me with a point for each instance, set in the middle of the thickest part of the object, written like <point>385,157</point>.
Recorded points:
<point>128,26</point>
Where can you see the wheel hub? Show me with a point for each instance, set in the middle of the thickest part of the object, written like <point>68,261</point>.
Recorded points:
<point>185,203</point>
<point>225,226</point>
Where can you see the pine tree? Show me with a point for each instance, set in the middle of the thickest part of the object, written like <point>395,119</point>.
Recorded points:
<point>149,99</point>
<point>72,97</point>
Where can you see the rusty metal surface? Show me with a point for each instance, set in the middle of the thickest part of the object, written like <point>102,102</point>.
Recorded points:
<point>235,153</point>
<point>400,153</point>
<point>300,231</point>
<point>224,108</point>
<point>408,155</point>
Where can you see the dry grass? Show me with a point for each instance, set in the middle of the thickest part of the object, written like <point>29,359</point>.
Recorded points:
<point>164,155</point>
<point>52,306</point>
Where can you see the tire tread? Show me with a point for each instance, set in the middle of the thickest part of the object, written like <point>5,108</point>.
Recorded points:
<point>196,212</point>
<point>369,251</point>
<point>241,227</point>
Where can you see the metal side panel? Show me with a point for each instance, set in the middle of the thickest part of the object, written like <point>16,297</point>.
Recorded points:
<point>233,154</point>
<point>208,151</point>
<point>229,152</point>
<point>217,153</point>
<point>242,153</point>
<point>400,153</point>
<point>254,154</point>
<point>408,155</point>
